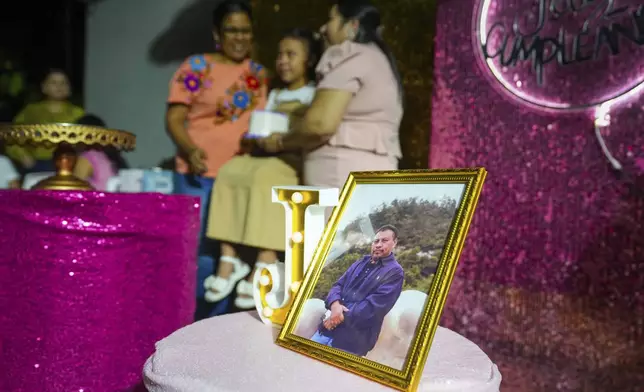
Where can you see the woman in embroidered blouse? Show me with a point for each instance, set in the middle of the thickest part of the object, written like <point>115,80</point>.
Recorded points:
<point>352,124</point>
<point>212,95</point>
<point>209,105</point>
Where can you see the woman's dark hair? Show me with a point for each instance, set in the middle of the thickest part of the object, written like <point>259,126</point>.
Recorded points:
<point>314,45</point>
<point>113,154</point>
<point>227,7</point>
<point>369,30</point>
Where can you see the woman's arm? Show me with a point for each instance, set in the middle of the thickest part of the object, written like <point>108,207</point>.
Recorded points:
<point>175,117</point>
<point>83,168</point>
<point>320,123</point>
<point>326,112</point>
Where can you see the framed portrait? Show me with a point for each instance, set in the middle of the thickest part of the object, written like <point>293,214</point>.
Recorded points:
<point>371,300</point>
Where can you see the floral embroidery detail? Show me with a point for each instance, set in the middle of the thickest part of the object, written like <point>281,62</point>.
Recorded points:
<point>255,68</point>
<point>241,99</point>
<point>198,63</point>
<point>197,77</point>
<point>252,82</point>
<point>243,95</point>
<point>192,82</point>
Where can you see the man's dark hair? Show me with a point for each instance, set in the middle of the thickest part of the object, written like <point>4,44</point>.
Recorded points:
<point>391,228</point>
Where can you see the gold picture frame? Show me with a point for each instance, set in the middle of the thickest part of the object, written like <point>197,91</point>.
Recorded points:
<point>371,191</point>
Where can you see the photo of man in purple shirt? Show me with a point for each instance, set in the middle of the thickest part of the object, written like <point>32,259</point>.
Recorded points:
<point>361,298</point>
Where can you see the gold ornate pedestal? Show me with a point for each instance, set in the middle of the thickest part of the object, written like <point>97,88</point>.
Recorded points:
<point>65,137</point>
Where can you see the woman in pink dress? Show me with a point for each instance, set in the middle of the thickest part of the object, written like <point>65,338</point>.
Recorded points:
<point>352,124</point>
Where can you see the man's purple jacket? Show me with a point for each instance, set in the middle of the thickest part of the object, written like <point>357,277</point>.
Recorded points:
<point>369,290</point>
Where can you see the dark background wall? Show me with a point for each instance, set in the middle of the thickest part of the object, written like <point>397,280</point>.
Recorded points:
<point>35,36</point>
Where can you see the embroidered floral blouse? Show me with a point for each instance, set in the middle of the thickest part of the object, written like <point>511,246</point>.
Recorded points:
<point>221,98</point>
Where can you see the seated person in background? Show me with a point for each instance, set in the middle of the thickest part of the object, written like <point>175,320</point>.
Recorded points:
<point>359,301</point>
<point>55,107</point>
<point>9,177</point>
<point>241,209</point>
<point>98,166</point>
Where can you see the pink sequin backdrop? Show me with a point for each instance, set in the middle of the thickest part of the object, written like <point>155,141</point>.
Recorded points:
<point>550,280</point>
<point>88,283</point>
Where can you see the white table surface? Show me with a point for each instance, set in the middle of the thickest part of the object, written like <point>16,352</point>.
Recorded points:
<point>238,353</point>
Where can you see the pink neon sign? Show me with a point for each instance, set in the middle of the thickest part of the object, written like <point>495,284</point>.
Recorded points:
<point>563,54</point>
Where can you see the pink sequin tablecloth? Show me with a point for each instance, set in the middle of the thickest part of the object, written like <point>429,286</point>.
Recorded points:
<point>237,353</point>
<point>89,282</point>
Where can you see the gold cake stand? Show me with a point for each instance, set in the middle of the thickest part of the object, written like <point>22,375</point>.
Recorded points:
<point>65,138</point>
